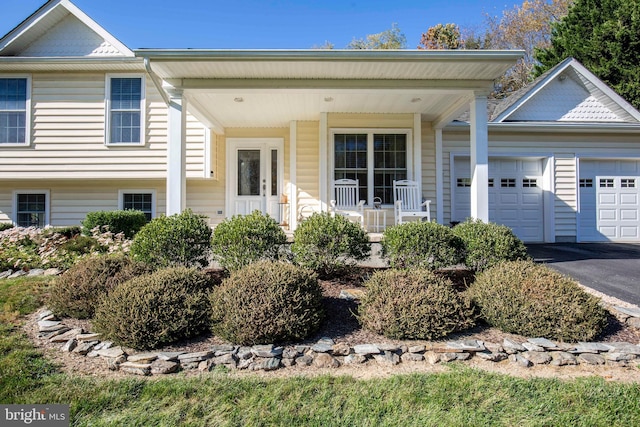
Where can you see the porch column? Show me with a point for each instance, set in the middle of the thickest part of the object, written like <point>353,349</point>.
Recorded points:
<point>176,152</point>
<point>479,158</point>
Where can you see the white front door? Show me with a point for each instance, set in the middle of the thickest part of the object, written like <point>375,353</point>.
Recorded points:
<point>254,176</point>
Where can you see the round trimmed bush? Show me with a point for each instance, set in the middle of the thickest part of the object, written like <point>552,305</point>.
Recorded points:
<point>413,304</point>
<point>267,302</point>
<point>78,291</point>
<point>157,309</point>
<point>530,299</point>
<point>172,241</point>
<point>421,244</point>
<point>244,239</point>
<point>487,244</point>
<point>329,244</point>
<point>128,222</point>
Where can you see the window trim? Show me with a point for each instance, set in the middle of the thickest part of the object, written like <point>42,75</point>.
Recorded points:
<point>107,109</point>
<point>27,119</point>
<point>370,154</point>
<point>47,205</point>
<point>124,191</point>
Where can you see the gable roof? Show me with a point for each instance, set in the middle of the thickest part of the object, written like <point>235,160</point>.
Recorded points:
<point>566,93</point>
<point>69,33</point>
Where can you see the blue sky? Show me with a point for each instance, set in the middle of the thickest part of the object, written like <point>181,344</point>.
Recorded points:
<point>268,24</point>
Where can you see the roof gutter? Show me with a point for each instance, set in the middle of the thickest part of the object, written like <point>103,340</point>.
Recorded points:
<point>553,127</point>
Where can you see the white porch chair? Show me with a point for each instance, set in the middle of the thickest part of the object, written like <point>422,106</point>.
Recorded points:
<point>347,201</point>
<point>408,201</point>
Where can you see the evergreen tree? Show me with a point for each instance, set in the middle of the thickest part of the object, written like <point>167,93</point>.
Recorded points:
<point>604,35</point>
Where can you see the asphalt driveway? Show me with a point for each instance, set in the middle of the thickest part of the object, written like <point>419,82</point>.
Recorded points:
<point>610,268</point>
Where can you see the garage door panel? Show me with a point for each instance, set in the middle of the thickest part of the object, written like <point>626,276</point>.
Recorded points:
<point>609,232</point>
<point>629,232</point>
<point>628,199</point>
<point>532,199</point>
<point>628,214</point>
<point>607,199</point>
<point>607,214</point>
<point>508,199</point>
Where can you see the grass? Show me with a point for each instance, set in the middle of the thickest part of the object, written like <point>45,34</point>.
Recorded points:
<point>458,397</point>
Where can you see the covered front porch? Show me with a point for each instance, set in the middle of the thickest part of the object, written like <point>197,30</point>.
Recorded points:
<point>284,125</point>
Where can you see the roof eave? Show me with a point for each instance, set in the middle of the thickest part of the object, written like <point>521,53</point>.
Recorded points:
<point>554,127</point>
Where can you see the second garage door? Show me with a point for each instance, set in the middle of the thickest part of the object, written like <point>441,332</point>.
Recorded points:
<point>515,195</point>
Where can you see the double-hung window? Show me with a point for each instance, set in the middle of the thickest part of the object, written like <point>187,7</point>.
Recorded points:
<point>139,200</point>
<point>14,110</point>
<point>125,110</point>
<point>31,208</point>
<point>374,158</point>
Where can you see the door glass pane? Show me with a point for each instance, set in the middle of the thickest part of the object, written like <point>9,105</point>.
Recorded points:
<point>248,172</point>
<point>274,172</point>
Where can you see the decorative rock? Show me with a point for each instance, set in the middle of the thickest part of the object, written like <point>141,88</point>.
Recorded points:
<point>87,337</point>
<point>187,358</point>
<point>618,357</point>
<point>623,347</point>
<point>69,345</point>
<point>411,357</point>
<point>325,360</point>
<point>266,351</point>
<point>103,345</point>
<point>498,356</point>
<point>52,272</point>
<point>45,313</point>
<point>512,347</point>
<point>302,348</point>
<point>219,350</point>
<point>388,347</point>
<point>304,360</point>
<point>562,358</point>
<point>35,272</point>
<point>142,357</point>
<point>113,363</point>
<point>43,324</point>
<point>54,328</point>
<point>494,348</point>
<point>432,358</point>
<point>111,352</point>
<point>244,353</point>
<point>417,349</point>
<point>66,336</point>
<point>226,359</point>
<point>51,335</point>
<point>189,365</point>
<point>85,347</point>
<point>537,357</point>
<point>366,349</point>
<point>341,349</point>
<point>136,368</point>
<point>355,359</point>
<point>532,347</point>
<point>287,363</point>
<point>633,312</point>
<point>162,367</point>
<point>270,364</point>
<point>520,360</point>
<point>591,359</point>
<point>466,345</point>
<point>322,348</point>
<point>290,353</point>
<point>244,363</point>
<point>205,365</point>
<point>590,347</point>
<point>326,340</point>
<point>449,357</point>
<point>5,274</point>
<point>17,274</point>
<point>440,348</point>
<point>633,322</point>
<point>387,358</point>
<point>92,354</point>
<point>351,294</point>
<point>542,342</point>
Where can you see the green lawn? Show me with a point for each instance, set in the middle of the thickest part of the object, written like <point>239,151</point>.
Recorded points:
<point>460,396</point>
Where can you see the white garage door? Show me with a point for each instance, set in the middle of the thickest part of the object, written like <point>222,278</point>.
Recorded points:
<point>609,201</point>
<point>515,195</point>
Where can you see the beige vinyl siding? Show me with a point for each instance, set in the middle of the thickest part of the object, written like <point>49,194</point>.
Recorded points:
<point>70,201</point>
<point>566,198</point>
<point>308,166</point>
<point>195,149</point>
<point>206,197</point>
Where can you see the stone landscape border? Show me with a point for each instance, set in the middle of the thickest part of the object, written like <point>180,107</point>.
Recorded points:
<point>328,354</point>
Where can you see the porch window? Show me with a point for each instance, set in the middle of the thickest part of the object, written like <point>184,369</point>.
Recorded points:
<point>139,201</point>
<point>374,159</point>
<point>13,110</point>
<point>31,209</point>
<point>125,110</point>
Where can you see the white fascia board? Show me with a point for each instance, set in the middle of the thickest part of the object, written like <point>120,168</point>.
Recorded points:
<point>553,127</point>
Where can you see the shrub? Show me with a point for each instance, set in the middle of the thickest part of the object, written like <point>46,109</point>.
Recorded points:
<point>77,292</point>
<point>5,226</point>
<point>170,241</point>
<point>531,299</point>
<point>421,244</point>
<point>267,302</point>
<point>150,311</point>
<point>128,222</point>
<point>413,304</point>
<point>329,244</point>
<point>244,239</point>
<point>487,244</point>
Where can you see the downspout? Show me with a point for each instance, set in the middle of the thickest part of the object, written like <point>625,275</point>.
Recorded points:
<point>156,81</point>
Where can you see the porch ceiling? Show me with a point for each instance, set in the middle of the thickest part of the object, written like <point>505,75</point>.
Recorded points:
<point>271,88</point>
